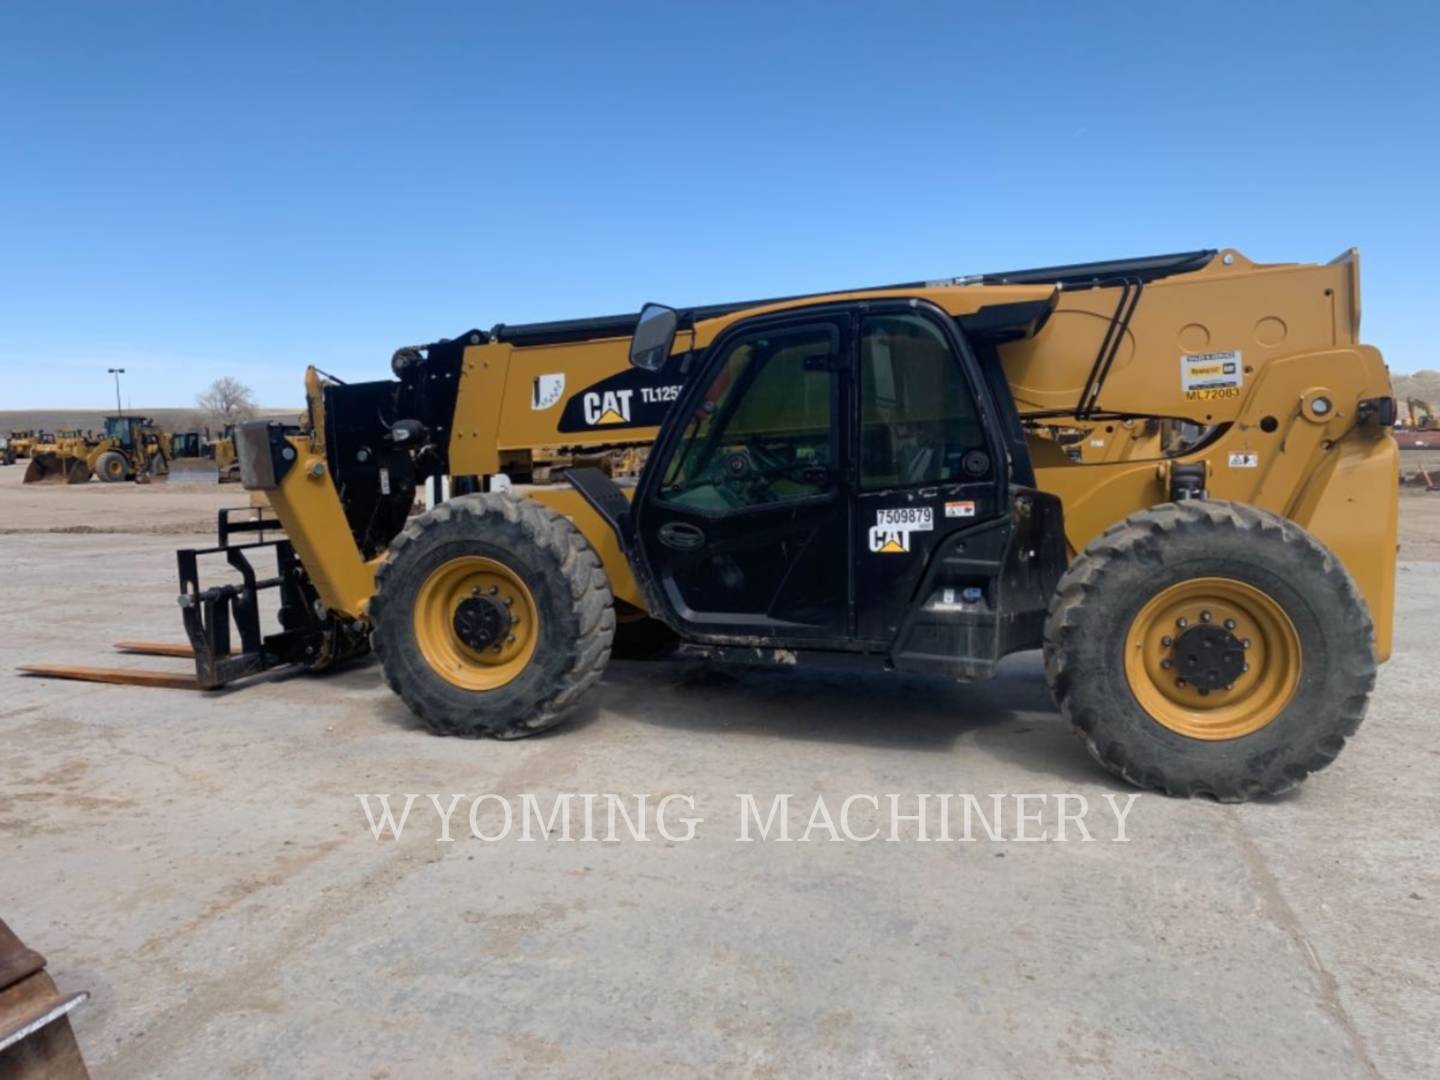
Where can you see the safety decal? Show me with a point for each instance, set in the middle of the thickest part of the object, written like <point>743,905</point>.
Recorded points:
<point>959,509</point>
<point>1211,376</point>
<point>890,535</point>
<point>1244,460</point>
<point>547,391</point>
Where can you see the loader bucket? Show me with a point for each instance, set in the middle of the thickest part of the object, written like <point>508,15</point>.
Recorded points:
<point>52,468</point>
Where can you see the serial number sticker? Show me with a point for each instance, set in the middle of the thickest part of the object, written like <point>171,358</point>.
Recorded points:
<point>910,517</point>
<point>1203,376</point>
<point>959,509</point>
<point>890,535</point>
<point>1244,460</point>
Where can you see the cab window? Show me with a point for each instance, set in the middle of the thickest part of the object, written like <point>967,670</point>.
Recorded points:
<point>761,432</point>
<point>918,416</point>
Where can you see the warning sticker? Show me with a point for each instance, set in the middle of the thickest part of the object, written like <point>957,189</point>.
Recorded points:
<point>1244,460</point>
<point>890,535</point>
<point>546,391</point>
<point>1208,376</point>
<point>959,509</point>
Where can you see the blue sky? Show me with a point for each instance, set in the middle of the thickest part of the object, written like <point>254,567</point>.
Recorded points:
<point>199,189</point>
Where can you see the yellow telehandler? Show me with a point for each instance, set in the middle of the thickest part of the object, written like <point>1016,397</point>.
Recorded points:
<point>876,478</point>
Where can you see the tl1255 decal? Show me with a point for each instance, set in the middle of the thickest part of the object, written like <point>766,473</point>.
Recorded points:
<point>633,398</point>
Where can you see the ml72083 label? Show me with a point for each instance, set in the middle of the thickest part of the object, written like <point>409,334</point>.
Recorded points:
<point>1208,376</point>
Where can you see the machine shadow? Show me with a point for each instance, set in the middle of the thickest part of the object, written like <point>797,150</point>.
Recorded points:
<point>1009,716</point>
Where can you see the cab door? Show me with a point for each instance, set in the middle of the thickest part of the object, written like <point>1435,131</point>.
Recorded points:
<point>741,520</point>
<point>956,557</point>
<point>928,464</point>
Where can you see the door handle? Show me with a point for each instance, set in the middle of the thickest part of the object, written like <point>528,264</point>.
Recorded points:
<point>680,535</point>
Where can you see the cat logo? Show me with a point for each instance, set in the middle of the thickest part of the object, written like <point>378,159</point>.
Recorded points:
<point>890,535</point>
<point>608,407</point>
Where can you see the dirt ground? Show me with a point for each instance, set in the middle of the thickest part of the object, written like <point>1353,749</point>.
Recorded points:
<point>186,502</point>
<point>202,865</point>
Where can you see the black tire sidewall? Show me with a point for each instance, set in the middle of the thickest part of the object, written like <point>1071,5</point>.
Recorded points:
<point>453,709</point>
<point>1308,584</point>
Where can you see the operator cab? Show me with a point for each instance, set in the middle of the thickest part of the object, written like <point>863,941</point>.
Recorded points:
<point>123,429</point>
<point>840,478</point>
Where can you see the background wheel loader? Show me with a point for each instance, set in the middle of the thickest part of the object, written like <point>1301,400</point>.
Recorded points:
<point>18,443</point>
<point>222,449</point>
<point>129,448</point>
<point>875,478</point>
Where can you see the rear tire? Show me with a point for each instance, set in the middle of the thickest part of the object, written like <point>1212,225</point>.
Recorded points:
<point>543,564</point>
<point>1313,644</point>
<point>112,467</point>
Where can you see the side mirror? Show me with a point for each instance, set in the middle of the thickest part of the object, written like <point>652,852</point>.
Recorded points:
<point>654,335</point>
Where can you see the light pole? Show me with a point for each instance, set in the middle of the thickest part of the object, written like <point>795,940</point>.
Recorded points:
<point>117,372</point>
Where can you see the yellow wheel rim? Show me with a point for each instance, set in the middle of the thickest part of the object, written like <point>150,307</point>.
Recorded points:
<point>1264,661</point>
<point>472,591</point>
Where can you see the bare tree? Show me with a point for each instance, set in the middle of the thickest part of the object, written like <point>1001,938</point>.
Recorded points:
<point>228,401</point>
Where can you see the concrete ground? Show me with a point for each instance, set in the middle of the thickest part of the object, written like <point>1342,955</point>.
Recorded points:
<point>203,866</point>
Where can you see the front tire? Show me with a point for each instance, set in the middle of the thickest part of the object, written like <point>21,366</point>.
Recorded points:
<point>492,616</point>
<point>1210,648</point>
<point>112,467</point>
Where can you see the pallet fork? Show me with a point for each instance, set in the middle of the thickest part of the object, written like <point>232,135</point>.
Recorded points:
<point>213,617</point>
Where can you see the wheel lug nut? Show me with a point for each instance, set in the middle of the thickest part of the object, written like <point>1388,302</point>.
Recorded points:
<point>494,589</point>
<point>1245,668</point>
<point>514,619</point>
<point>1167,641</point>
<point>511,639</point>
<point>1230,686</point>
<point>1180,683</point>
<point>1229,624</point>
<point>510,600</point>
<point>1181,623</point>
<point>1204,616</point>
<point>1165,663</point>
<point>475,591</point>
<point>1245,644</point>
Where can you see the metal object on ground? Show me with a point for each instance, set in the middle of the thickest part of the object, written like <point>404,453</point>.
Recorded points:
<point>36,1040</point>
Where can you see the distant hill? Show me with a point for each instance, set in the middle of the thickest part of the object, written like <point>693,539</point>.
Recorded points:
<point>1424,385</point>
<point>94,419</point>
